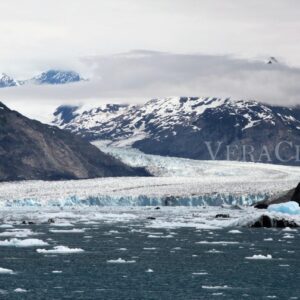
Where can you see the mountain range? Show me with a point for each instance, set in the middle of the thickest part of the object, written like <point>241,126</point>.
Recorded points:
<point>192,127</point>
<point>32,150</point>
<point>51,77</point>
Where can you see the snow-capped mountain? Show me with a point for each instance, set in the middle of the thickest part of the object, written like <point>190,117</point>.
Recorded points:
<point>56,77</point>
<point>192,127</point>
<point>7,81</point>
<point>51,77</point>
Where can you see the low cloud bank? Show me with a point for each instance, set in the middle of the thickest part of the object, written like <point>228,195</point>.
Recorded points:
<point>138,76</point>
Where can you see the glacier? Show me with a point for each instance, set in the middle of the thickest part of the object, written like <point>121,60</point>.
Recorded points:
<point>189,193</point>
<point>177,182</point>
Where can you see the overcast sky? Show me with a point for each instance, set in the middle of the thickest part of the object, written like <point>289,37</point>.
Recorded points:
<point>190,47</point>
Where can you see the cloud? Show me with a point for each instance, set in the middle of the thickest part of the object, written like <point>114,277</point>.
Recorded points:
<point>34,35</point>
<point>137,76</point>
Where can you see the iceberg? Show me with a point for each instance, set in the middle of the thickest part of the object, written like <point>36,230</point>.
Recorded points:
<point>291,208</point>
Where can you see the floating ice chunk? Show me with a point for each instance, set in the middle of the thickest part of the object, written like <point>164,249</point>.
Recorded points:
<point>122,249</point>
<point>152,236</point>
<point>288,236</point>
<point>234,231</point>
<point>6,271</point>
<point>6,226</point>
<point>74,230</point>
<point>23,243</point>
<point>218,242</point>
<point>291,208</point>
<point>60,250</point>
<point>120,261</point>
<point>19,290</point>
<point>56,272</point>
<point>218,287</point>
<point>259,256</point>
<point>19,233</point>
<point>214,251</point>
<point>64,224</point>
<point>289,229</point>
<point>268,239</point>
<point>149,271</point>
<point>150,248</point>
<point>200,273</point>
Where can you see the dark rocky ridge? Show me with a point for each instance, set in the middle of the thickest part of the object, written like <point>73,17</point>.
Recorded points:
<point>291,195</point>
<point>268,222</point>
<point>32,150</point>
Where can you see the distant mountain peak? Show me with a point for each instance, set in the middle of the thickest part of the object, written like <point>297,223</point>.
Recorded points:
<point>7,81</point>
<point>51,77</point>
<point>57,77</point>
<point>272,60</point>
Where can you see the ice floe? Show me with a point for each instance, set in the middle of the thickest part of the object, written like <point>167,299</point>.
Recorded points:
<point>234,231</point>
<point>121,261</point>
<point>149,271</point>
<point>20,290</point>
<point>60,250</point>
<point>14,242</point>
<point>288,229</point>
<point>218,242</point>
<point>214,251</point>
<point>62,224</point>
<point>260,256</point>
<point>74,230</point>
<point>6,226</point>
<point>6,271</point>
<point>19,233</point>
<point>217,287</point>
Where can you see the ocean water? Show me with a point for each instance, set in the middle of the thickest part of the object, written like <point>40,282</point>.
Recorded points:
<point>177,263</point>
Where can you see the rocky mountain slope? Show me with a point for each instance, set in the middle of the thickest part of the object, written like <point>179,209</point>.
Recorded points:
<point>32,150</point>
<point>192,127</point>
